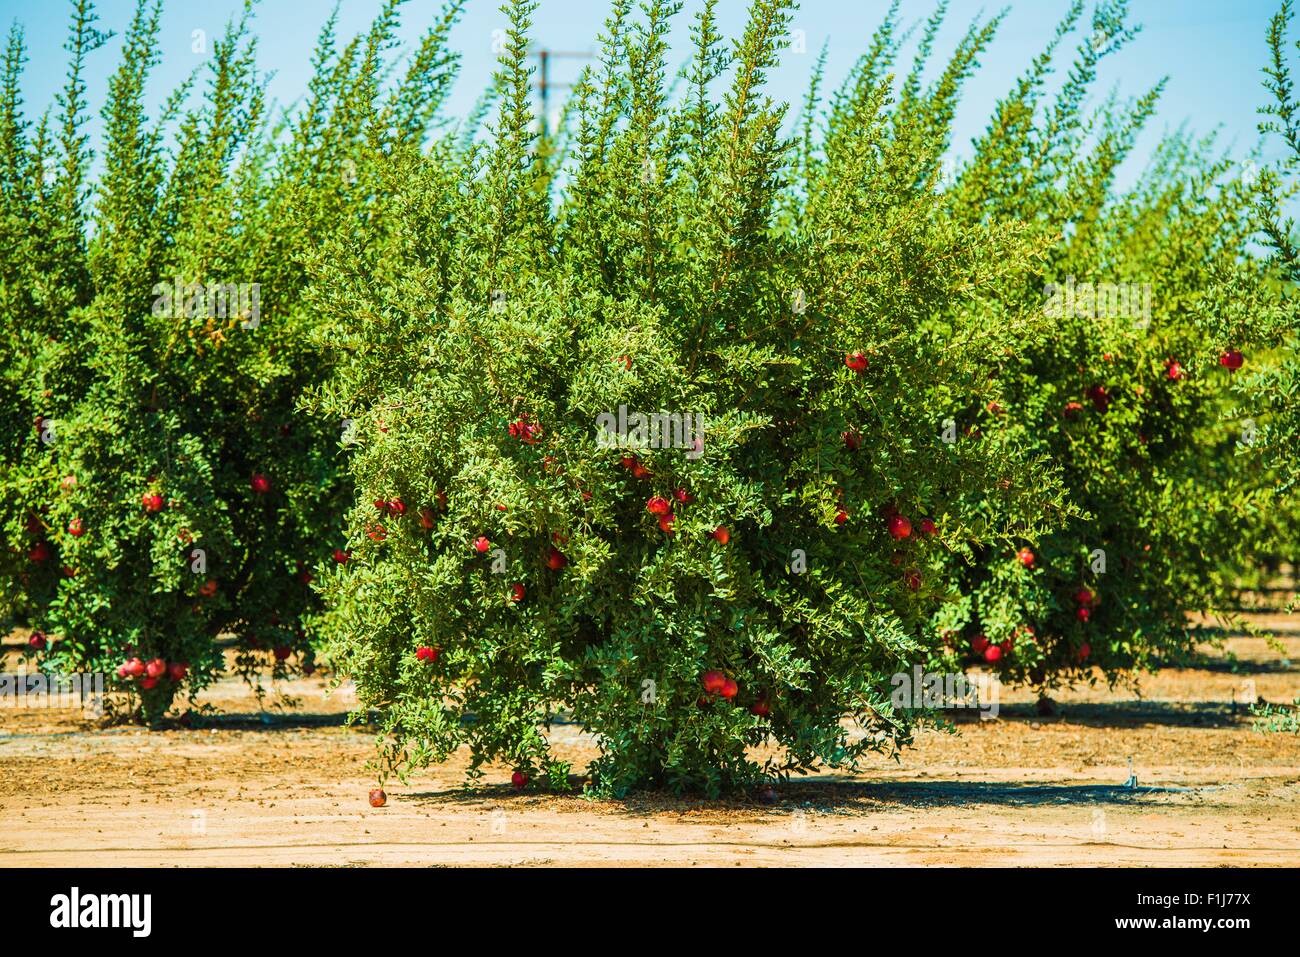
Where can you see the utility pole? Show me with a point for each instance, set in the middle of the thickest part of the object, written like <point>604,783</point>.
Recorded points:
<point>544,83</point>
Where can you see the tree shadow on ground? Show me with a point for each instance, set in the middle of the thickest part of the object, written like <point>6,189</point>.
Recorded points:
<point>1230,665</point>
<point>1133,713</point>
<point>828,795</point>
<point>267,721</point>
<point>1130,713</point>
<point>968,793</point>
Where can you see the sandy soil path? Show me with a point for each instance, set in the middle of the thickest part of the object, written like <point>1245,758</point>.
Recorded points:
<point>1021,790</point>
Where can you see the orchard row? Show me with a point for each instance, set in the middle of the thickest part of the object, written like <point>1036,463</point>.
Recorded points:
<point>470,298</point>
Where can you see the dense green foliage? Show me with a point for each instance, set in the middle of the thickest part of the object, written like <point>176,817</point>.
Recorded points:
<point>1128,396</point>
<point>1276,387</point>
<point>120,392</point>
<point>911,414</point>
<point>667,260</point>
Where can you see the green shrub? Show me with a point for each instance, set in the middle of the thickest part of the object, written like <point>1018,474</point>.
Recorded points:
<point>1274,386</point>
<point>182,495</point>
<point>1128,396</point>
<point>901,448</point>
<point>816,307</point>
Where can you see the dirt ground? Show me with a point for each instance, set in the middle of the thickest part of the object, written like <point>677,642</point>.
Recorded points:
<point>289,787</point>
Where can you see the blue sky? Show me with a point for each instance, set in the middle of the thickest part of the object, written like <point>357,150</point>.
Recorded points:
<point>1211,50</point>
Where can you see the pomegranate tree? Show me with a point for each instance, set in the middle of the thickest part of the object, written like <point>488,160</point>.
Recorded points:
<point>1132,403</point>
<point>160,487</point>
<point>677,419</point>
